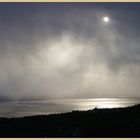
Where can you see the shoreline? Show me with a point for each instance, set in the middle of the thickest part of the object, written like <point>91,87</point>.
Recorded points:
<point>116,122</point>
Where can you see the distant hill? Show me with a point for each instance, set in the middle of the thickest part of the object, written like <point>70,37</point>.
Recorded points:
<point>119,122</point>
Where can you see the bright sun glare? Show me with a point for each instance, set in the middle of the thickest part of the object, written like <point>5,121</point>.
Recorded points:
<point>106,19</point>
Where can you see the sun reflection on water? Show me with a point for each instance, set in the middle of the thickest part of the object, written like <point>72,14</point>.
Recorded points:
<point>86,104</point>
<point>26,108</point>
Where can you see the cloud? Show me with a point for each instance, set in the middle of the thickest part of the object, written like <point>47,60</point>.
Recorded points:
<point>70,53</point>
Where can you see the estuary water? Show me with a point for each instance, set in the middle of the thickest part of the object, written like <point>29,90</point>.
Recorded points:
<point>28,108</point>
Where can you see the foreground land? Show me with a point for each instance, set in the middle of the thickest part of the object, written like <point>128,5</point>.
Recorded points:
<point>121,122</point>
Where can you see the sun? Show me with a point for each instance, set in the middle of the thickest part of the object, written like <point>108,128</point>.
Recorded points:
<point>106,19</point>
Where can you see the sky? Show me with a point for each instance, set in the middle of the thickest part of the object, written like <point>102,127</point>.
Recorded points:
<point>67,50</point>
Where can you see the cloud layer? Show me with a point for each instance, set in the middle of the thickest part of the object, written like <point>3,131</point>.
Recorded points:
<point>50,51</point>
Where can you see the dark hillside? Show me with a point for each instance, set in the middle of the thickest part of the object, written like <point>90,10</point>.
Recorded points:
<point>119,122</point>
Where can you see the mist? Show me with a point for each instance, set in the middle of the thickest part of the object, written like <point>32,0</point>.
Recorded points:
<point>65,50</point>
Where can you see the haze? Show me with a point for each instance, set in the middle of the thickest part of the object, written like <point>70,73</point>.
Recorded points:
<point>65,50</point>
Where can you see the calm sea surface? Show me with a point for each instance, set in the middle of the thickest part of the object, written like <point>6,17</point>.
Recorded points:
<point>27,108</point>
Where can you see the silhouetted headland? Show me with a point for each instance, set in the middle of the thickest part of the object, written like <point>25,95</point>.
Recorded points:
<point>116,122</point>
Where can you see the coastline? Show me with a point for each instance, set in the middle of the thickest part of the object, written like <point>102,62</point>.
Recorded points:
<point>114,123</point>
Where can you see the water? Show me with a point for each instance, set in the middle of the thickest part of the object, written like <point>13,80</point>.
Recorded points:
<point>28,108</point>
